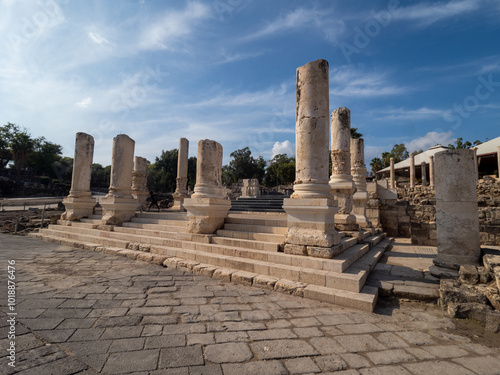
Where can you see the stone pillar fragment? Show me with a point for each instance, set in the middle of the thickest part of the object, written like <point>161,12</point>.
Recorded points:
<point>341,180</point>
<point>358,171</point>
<point>423,171</point>
<point>207,208</point>
<point>412,170</point>
<point>393,175</point>
<point>79,202</point>
<point>431,171</point>
<point>182,175</point>
<point>311,208</point>
<point>119,205</point>
<point>498,160</point>
<point>457,221</point>
<point>140,180</point>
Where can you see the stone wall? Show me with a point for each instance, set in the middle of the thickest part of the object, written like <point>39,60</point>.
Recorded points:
<point>413,213</point>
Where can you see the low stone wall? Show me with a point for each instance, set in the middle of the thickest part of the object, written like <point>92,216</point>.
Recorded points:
<point>413,213</point>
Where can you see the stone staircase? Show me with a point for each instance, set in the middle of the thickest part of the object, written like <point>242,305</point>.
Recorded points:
<point>264,203</point>
<point>246,250</point>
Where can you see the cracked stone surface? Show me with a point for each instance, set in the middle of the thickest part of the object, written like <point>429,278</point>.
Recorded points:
<point>81,312</point>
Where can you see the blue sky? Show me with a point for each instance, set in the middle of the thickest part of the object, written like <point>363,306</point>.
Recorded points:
<point>413,72</point>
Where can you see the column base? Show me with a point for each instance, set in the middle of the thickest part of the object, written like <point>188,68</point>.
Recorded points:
<point>206,215</point>
<point>311,222</point>
<point>78,207</point>
<point>179,202</point>
<point>116,210</point>
<point>345,222</point>
<point>141,199</point>
<point>454,261</point>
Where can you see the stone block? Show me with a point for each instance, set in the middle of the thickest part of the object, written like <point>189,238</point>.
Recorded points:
<point>243,278</point>
<point>264,282</point>
<point>476,311</point>
<point>295,249</point>
<point>290,287</point>
<point>468,274</point>
<point>223,274</point>
<point>493,321</point>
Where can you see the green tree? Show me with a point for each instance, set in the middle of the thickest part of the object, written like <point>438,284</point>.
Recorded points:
<point>63,169</point>
<point>20,144</point>
<point>460,144</point>
<point>43,156</point>
<point>244,165</point>
<point>355,134</point>
<point>376,164</point>
<point>162,174</point>
<point>101,176</point>
<point>281,171</point>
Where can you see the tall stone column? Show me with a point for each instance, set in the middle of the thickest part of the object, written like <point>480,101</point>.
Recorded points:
<point>498,160</point>
<point>393,175</point>
<point>182,175</point>
<point>140,180</point>
<point>457,221</point>
<point>358,171</point>
<point>341,179</point>
<point>412,170</point>
<point>423,170</point>
<point>79,202</point>
<point>476,162</point>
<point>311,208</point>
<point>207,208</point>
<point>119,205</point>
<point>431,171</point>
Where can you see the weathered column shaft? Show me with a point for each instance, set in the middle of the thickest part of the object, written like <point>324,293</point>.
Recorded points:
<point>431,171</point>
<point>358,171</point>
<point>140,179</point>
<point>208,170</point>
<point>311,131</point>
<point>182,167</point>
<point>122,164</point>
<point>498,160</point>
<point>457,221</point>
<point>393,175</point>
<point>423,171</point>
<point>82,165</point>
<point>412,170</point>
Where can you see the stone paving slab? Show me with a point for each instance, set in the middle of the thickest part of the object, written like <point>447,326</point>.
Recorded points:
<point>84,312</point>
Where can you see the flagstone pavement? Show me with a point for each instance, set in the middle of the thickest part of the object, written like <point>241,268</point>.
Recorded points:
<point>81,312</point>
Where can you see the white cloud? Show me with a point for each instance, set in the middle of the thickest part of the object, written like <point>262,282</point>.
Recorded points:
<point>428,13</point>
<point>411,114</point>
<point>285,147</point>
<point>429,140</point>
<point>84,103</point>
<point>97,38</point>
<point>165,33</point>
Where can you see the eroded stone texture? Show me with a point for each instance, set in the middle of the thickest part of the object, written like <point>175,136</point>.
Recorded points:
<point>251,188</point>
<point>393,175</point>
<point>457,221</point>
<point>79,202</point>
<point>140,180</point>
<point>207,208</point>
<point>424,173</point>
<point>358,171</point>
<point>431,171</point>
<point>412,170</point>
<point>119,205</point>
<point>182,171</point>
<point>341,180</point>
<point>311,208</point>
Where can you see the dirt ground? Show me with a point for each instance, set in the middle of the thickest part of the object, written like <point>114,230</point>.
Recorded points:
<point>27,221</point>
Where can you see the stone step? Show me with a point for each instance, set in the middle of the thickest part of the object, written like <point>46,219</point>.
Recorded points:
<point>145,220</point>
<point>77,224</point>
<point>147,232</point>
<point>265,237</point>
<point>263,219</point>
<point>347,258</point>
<point>95,217</point>
<point>91,221</point>
<point>247,244</point>
<point>85,238</point>
<point>163,215</point>
<point>375,239</point>
<point>159,227</point>
<point>255,228</point>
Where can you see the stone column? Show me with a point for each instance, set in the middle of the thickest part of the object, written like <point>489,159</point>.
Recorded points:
<point>423,171</point>
<point>119,205</point>
<point>431,171</point>
<point>412,170</point>
<point>79,202</point>
<point>311,208</point>
<point>341,179</point>
<point>140,181</point>
<point>498,160</point>
<point>207,208</point>
<point>476,162</point>
<point>358,171</point>
<point>393,175</point>
<point>182,172</point>
<point>457,221</point>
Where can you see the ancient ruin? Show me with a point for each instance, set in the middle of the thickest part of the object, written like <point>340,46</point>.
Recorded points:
<point>140,180</point>
<point>358,171</point>
<point>182,175</point>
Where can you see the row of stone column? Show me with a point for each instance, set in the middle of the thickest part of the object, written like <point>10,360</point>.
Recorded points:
<point>423,168</point>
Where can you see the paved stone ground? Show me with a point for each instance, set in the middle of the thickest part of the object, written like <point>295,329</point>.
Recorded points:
<point>80,312</point>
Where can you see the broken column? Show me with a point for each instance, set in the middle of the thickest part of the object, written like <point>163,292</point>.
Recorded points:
<point>457,221</point>
<point>424,173</point>
<point>341,179</point>
<point>393,175</point>
<point>207,208</point>
<point>182,172</point>
<point>358,171</point>
<point>498,160</point>
<point>119,205</point>
<point>431,171</point>
<point>140,181</point>
<point>79,203</point>
<point>412,170</point>
<point>311,208</point>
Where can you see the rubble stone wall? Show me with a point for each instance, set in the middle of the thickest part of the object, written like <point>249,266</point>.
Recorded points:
<point>413,214</point>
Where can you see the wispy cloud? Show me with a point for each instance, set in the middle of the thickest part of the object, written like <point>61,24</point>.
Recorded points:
<point>164,34</point>
<point>230,58</point>
<point>84,103</point>
<point>97,38</point>
<point>429,140</point>
<point>403,114</point>
<point>428,13</point>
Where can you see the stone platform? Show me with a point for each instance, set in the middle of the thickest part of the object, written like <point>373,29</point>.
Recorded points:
<point>247,250</point>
